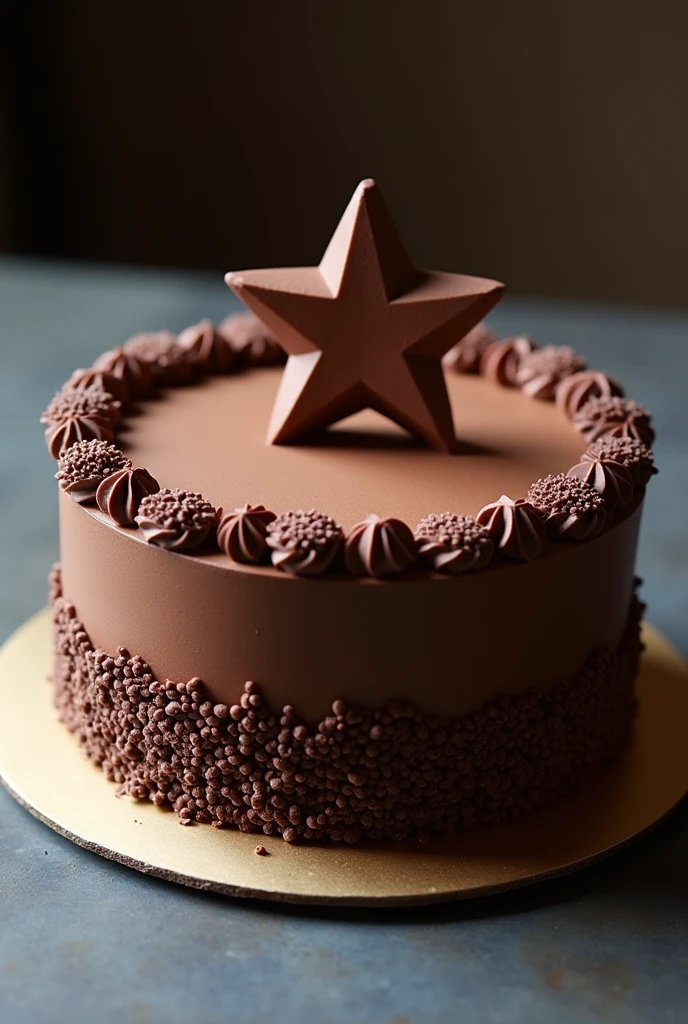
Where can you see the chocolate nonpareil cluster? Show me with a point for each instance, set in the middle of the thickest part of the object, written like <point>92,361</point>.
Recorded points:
<point>176,520</point>
<point>84,465</point>
<point>76,414</point>
<point>614,417</point>
<point>635,456</point>
<point>304,543</point>
<point>453,544</point>
<point>570,508</point>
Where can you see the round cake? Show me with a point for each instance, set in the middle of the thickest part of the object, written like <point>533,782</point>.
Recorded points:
<point>410,611</point>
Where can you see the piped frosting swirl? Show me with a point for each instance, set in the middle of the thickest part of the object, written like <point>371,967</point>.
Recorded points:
<point>253,343</point>
<point>120,494</point>
<point>92,377</point>
<point>81,402</point>
<point>465,356</point>
<point>176,520</point>
<point>573,392</point>
<point>79,415</point>
<point>610,479</point>
<point>453,544</point>
<point>379,547</point>
<point>614,417</point>
<point>207,348</point>
<point>501,360</point>
<point>125,366</point>
<point>242,534</point>
<point>84,465</point>
<point>169,362</point>
<point>541,371</point>
<point>304,543</point>
<point>515,527</point>
<point>571,508</point>
<point>634,455</point>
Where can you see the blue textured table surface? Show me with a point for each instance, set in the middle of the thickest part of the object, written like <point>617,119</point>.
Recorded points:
<point>82,939</point>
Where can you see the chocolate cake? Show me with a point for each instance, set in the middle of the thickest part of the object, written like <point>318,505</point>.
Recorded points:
<point>409,611</point>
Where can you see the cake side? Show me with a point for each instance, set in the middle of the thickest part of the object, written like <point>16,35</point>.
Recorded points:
<point>449,642</point>
<point>364,772</point>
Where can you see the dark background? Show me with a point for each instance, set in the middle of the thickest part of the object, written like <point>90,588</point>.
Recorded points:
<point>543,143</point>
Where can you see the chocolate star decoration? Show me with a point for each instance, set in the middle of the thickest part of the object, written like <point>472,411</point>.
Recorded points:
<point>364,329</point>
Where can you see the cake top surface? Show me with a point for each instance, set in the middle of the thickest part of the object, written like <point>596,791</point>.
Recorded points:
<point>210,437</point>
<point>386,396</point>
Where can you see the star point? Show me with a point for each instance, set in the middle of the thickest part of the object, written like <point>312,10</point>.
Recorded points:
<point>364,329</point>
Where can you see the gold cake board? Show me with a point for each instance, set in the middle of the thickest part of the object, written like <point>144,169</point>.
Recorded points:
<point>42,767</point>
